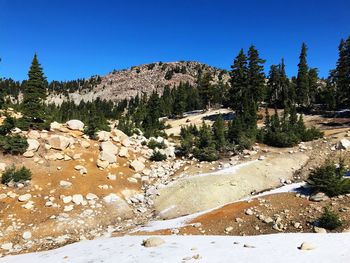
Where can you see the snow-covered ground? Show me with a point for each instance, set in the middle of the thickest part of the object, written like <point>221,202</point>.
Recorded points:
<point>212,249</point>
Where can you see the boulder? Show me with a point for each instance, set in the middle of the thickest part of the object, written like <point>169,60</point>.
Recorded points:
<point>28,154</point>
<point>58,142</point>
<point>318,197</point>
<point>66,199</point>
<point>118,133</point>
<point>78,199</point>
<point>65,184</point>
<point>102,164</point>
<point>27,235</point>
<point>123,152</point>
<point>6,246</point>
<point>170,151</point>
<point>3,167</point>
<point>91,196</point>
<point>126,142</point>
<point>85,144</point>
<point>137,166</point>
<point>153,242</point>
<point>33,145</point>
<point>55,126</point>
<point>306,246</point>
<point>75,125</point>
<point>107,156</point>
<point>320,230</point>
<point>24,198</point>
<point>103,136</point>
<point>33,134</point>
<point>109,147</point>
<point>343,144</point>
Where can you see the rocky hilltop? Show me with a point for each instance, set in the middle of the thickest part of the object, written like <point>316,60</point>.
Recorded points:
<point>143,79</point>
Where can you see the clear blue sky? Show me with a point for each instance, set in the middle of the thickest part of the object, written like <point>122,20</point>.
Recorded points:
<point>75,38</point>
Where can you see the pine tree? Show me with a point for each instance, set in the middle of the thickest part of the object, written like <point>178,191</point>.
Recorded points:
<point>341,75</point>
<point>313,84</point>
<point>302,87</point>
<point>205,89</point>
<point>35,92</point>
<point>239,81</point>
<point>256,76</point>
<point>219,132</point>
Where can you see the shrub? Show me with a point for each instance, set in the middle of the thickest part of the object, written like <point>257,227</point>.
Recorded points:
<point>329,179</point>
<point>206,154</point>
<point>329,219</point>
<point>157,156</point>
<point>152,144</point>
<point>13,144</point>
<point>16,175</point>
<point>281,139</point>
<point>311,134</point>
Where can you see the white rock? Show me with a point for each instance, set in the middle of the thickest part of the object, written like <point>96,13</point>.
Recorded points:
<point>67,199</point>
<point>85,144</point>
<point>55,126</point>
<point>27,235</point>
<point>78,199</point>
<point>103,136</point>
<point>75,125</point>
<point>102,164</point>
<point>107,156</point>
<point>153,242</point>
<point>33,134</point>
<point>126,142</point>
<point>306,246</point>
<point>343,144</point>
<point>7,246</point>
<point>33,145</point>
<point>112,177</point>
<point>91,196</point>
<point>118,133</point>
<point>3,167</point>
<point>123,152</point>
<point>65,184</point>
<point>24,198</point>
<point>137,166</point>
<point>59,142</point>
<point>68,208</point>
<point>28,154</point>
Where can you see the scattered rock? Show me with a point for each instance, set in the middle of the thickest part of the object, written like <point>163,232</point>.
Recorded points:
<point>58,142</point>
<point>306,246</point>
<point>153,242</point>
<point>343,144</point>
<point>7,246</point>
<point>33,145</point>
<point>24,198</point>
<point>65,184</point>
<point>318,197</point>
<point>137,166</point>
<point>320,230</point>
<point>27,235</point>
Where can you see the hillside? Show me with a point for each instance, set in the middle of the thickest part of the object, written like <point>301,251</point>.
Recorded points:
<point>143,79</point>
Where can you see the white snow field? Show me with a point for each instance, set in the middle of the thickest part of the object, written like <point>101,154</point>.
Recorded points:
<point>212,249</point>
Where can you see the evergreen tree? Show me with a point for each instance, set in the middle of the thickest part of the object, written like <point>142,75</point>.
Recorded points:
<point>313,84</point>
<point>205,89</point>
<point>256,76</point>
<point>341,75</point>
<point>35,92</point>
<point>239,81</point>
<point>219,132</point>
<point>302,87</point>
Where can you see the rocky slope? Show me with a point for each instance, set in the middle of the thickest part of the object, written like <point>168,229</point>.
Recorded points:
<point>121,84</point>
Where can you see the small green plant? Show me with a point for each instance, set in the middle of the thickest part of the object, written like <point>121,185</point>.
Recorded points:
<point>157,156</point>
<point>12,174</point>
<point>329,219</point>
<point>329,179</point>
<point>13,144</point>
<point>152,144</point>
